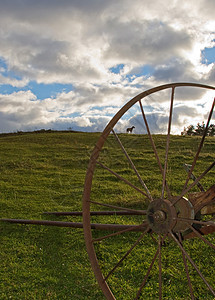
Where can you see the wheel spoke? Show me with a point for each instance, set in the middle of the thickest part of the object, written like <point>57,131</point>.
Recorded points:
<point>204,230</point>
<point>119,232</point>
<point>94,213</point>
<point>192,262</point>
<point>149,269</point>
<point>154,240</point>
<point>187,168</point>
<point>167,143</point>
<point>193,184</point>
<point>186,270</point>
<point>200,146</point>
<point>138,212</point>
<point>153,146</point>
<point>97,226</point>
<point>201,237</point>
<point>127,253</point>
<point>133,166</point>
<point>121,178</point>
<point>146,276</point>
<point>160,268</point>
<point>211,223</point>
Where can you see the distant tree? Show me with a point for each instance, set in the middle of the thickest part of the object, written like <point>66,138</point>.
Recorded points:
<point>190,130</point>
<point>211,130</point>
<point>199,130</point>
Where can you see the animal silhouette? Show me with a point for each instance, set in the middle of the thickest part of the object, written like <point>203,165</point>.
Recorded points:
<point>130,129</point>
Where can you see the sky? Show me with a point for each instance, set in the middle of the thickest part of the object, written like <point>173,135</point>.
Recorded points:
<point>72,64</point>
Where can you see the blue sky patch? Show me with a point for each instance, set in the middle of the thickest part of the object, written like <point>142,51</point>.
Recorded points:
<point>3,63</point>
<point>117,69</point>
<point>208,55</point>
<point>6,72</point>
<point>43,91</point>
<point>145,70</point>
<point>9,89</point>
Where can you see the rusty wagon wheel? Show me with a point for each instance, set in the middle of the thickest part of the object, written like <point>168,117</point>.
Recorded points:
<point>161,212</point>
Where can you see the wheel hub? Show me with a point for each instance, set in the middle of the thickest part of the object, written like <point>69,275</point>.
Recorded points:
<point>184,209</point>
<point>161,216</point>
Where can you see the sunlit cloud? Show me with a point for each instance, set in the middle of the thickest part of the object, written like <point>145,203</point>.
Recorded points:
<point>76,63</point>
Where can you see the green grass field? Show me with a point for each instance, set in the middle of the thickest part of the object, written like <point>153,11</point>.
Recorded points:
<point>45,172</point>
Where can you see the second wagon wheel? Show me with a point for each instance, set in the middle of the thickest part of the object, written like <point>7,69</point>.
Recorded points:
<point>161,243</point>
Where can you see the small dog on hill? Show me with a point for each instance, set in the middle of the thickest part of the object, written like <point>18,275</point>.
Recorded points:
<point>130,129</point>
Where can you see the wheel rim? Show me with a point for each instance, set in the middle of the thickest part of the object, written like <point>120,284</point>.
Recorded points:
<point>167,216</point>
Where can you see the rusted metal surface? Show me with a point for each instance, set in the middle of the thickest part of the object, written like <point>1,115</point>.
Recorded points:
<point>208,210</point>
<point>161,216</point>
<point>192,263</point>
<point>200,234</point>
<point>114,227</point>
<point>203,199</point>
<point>173,218</point>
<point>204,230</point>
<point>193,177</point>
<point>97,213</point>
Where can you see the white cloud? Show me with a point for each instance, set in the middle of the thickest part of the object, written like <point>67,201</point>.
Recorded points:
<point>77,42</point>
<point>72,42</point>
<point>23,111</point>
<point>13,82</point>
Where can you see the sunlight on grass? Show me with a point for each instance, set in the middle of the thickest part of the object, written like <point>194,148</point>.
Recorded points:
<point>46,171</point>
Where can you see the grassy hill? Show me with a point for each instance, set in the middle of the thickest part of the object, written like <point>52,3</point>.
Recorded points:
<point>45,171</point>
